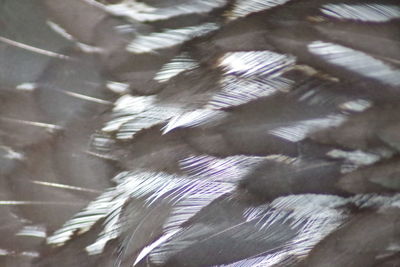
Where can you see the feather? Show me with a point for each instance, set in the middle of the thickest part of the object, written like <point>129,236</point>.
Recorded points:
<point>119,88</point>
<point>325,222</point>
<point>238,133</point>
<point>26,86</point>
<point>126,108</point>
<point>147,120</point>
<point>243,8</point>
<point>246,64</point>
<point>230,169</point>
<point>193,119</point>
<point>295,227</point>
<point>362,12</point>
<point>168,38</point>
<point>356,105</point>
<point>129,185</point>
<point>189,196</point>
<point>180,63</point>
<point>145,13</point>
<point>356,61</point>
<point>301,129</point>
<point>236,91</point>
<point>33,230</point>
<point>356,157</point>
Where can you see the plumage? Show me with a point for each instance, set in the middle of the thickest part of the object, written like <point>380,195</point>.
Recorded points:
<point>199,133</point>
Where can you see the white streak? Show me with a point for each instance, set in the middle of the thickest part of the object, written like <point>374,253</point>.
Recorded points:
<point>193,118</point>
<point>126,108</point>
<point>237,91</point>
<point>356,61</point>
<point>313,216</point>
<point>375,201</point>
<point>90,49</point>
<point>32,48</point>
<point>138,184</point>
<point>358,105</point>
<point>59,30</point>
<point>84,47</point>
<point>33,231</point>
<point>4,252</point>
<point>26,86</point>
<point>356,157</point>
<point>362,12</point>
<point>51,127</point>
<point>40,203</point>
<point>11,154</point>
<point>65,186</point>
<point>246,64</point>
<point>297,131</point>
<point>146,250</point>
<point>181,63</point>
<point>230,169</point>
<point>146,120</point>
<point>243,8</point>
<point>307,218</point>
<point>119,88</point>
<point>168,38</point>
<point>142,12</point>
<point>101,142</point>
<point>87,98</point>
<point>31,254</point>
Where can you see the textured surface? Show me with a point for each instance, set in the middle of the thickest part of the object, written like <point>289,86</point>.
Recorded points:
<point>199,133</point>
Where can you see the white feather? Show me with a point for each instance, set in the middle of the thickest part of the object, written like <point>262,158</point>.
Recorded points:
<point>147,185</point>
<point>180,63</point>
<point>237,91</point>
<point>200,194</point>
<point>381,202</point>
<point>230,169</point>
<point>299,130</point>
<point>362,12</point>
<point>356,157</point>
<point>38,231</point>
<point>193,119</point>
<point>356,61</point>
<point>142,12</point>
<point>168,38</point>
<point>119,88</point>
<point>126,108</point>
<point>357,105</point>
<point>147,119</point>
<point>246,64</point>
<point>26,86</point>
<point>243,8</point>
<point>188,198</point>
<point>314,217</point>
<point>311,217</point>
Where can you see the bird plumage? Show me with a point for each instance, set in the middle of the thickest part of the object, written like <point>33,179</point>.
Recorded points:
<point>199,133</point>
